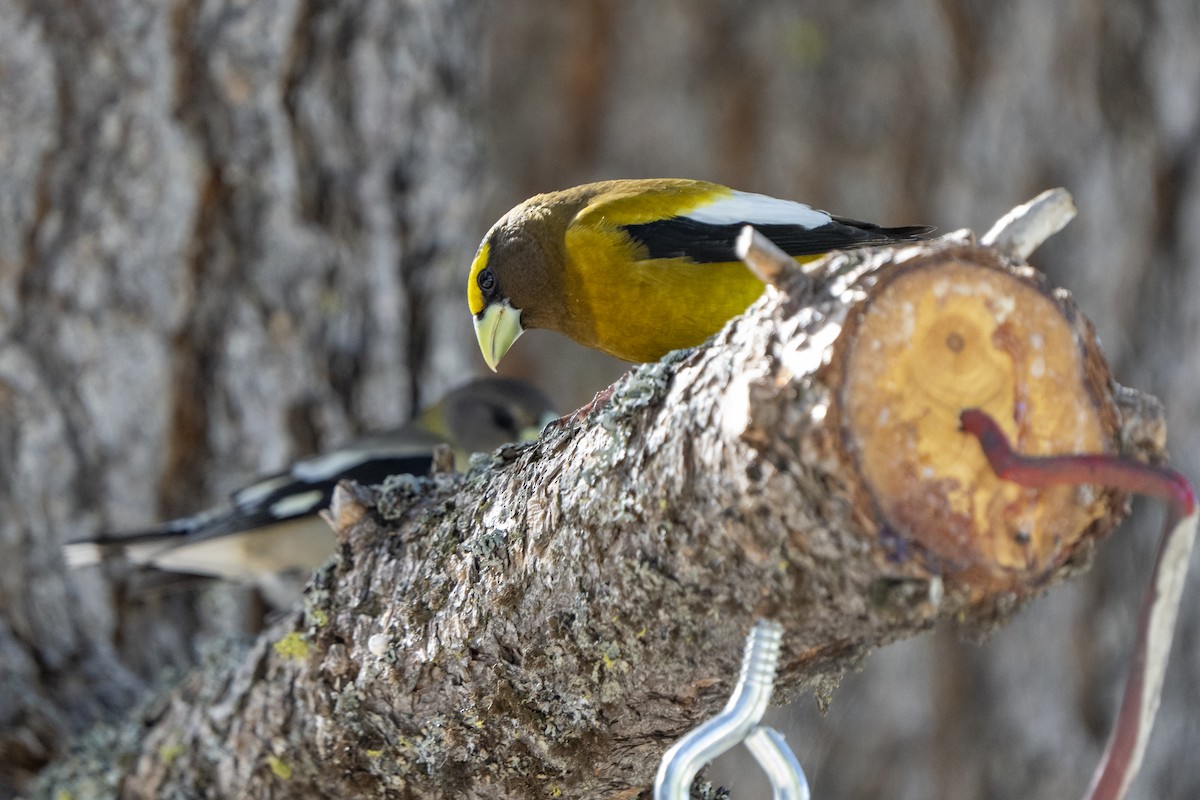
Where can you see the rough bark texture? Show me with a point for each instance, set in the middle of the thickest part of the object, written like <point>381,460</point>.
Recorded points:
<point>159,338</point>
<point>546,625</point>
<point>225,228</point>
<point>946,113</point>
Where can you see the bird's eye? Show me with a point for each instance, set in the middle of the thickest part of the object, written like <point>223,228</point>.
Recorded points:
<point>503,420</point>
<point>486,281</point>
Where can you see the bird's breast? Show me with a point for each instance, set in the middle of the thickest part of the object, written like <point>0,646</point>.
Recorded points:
<point>639,309</point>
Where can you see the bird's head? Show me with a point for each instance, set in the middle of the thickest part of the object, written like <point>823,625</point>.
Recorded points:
<point>497,320</point>
<point>516,274</point>
<point>489,412</point>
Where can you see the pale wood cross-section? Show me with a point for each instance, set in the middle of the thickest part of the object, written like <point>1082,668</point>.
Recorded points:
<point>958,330</point>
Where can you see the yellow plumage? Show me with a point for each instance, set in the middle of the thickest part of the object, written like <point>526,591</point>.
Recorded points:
<point>608,288</point>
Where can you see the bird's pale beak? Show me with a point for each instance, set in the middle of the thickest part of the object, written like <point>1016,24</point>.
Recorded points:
<point>497,327</point>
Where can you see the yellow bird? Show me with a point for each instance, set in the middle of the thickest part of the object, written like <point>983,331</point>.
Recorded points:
<point>637,268</point>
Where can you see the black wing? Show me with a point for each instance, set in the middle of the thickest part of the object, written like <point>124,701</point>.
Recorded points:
<point>708,243</point>
<point>268,505</point>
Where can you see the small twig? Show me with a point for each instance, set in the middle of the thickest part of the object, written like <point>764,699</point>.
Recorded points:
<point>347,507</point>
<point>763,257</point>
<point>443,460</point>
<point>1021,231</point>
<point>1160,606</point>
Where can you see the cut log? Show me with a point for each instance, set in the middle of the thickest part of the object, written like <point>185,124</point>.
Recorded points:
<point>959,330</point>
<point>549,623</point>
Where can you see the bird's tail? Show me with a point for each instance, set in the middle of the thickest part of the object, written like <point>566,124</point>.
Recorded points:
<point>79,555</point>
<point>137,547</point>
<point>82,554</point>
<point>904,233</point>
<point>909,233</point>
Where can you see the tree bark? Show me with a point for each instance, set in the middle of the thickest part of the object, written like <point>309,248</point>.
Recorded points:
<point>114,201</point>
<point>225,228</point>
<point>550,621</point>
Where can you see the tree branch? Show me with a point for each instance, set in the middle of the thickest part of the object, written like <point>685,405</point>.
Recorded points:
<point>550,621</point>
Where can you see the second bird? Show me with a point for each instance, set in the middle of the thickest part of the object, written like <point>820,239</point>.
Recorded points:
<point>270,528</point>
<point>637,268</point>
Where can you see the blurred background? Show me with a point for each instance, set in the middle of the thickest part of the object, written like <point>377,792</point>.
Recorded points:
<point>232,234</point>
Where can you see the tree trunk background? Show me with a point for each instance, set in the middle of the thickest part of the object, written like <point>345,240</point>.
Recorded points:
<point>232,233</point>
<point>227,230</point>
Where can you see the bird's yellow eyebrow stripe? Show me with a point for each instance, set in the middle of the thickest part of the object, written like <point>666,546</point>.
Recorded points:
<point>474,295</point>
<point>632,207</point>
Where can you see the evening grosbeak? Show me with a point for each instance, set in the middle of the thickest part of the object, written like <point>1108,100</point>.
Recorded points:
<point>637,268</point>
<point>272,526</point>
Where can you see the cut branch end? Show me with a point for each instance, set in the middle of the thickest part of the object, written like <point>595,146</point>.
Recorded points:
<point>957,330</point>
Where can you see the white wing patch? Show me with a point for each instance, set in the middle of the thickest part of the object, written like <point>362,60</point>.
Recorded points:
<point>296,504</point>
<point>329,465</point>
<point>758,209</point>
<point>253,495</point>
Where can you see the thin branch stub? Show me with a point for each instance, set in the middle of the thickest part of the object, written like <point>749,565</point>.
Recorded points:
<point>1024,229</point>
<point>763,257</point>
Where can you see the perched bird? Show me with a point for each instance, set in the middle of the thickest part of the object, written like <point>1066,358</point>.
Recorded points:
<point>637,268</point>
<point>272,526</point>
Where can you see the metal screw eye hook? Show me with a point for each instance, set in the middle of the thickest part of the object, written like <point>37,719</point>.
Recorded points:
<point>772,753</point>
<point>740,716</point>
